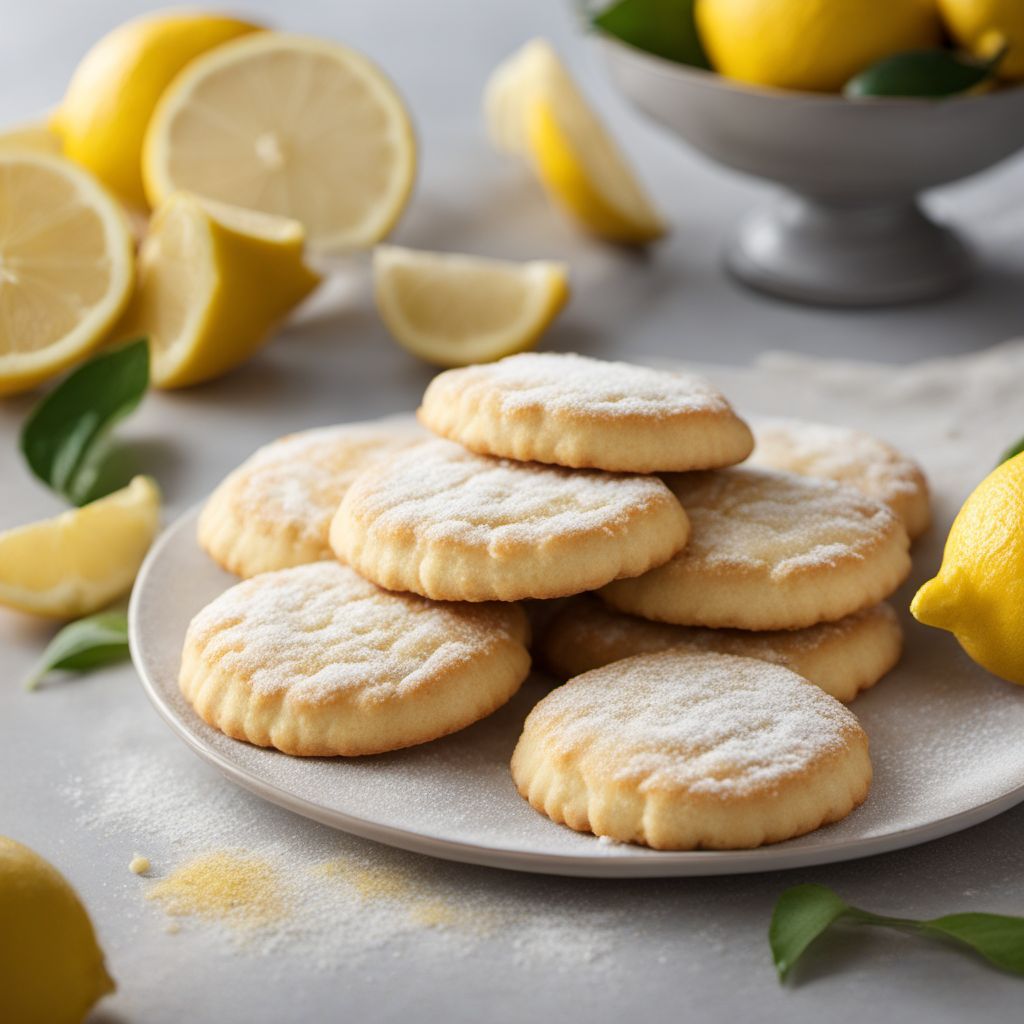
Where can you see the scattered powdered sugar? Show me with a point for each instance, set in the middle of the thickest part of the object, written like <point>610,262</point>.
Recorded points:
<point>564,384</point>
<point>259,882</point>
<point>440,491</point>
<point>835,453</point>
<point>320,629</point>
<point>299,480</point>
<point>775,521</point>
<point>697,722</point>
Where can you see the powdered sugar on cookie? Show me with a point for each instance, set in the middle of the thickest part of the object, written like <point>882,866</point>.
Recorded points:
<point>319,630</point>
<point>443,492</point>
<point>847,456</point>
<point>776,522</point>
<point>455,526</point>
<point>573,411</point>
<point>299,479</point>
<point>563,383</point>
<point>702,723</point>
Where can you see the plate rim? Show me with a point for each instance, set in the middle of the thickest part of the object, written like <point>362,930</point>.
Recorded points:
<point>660,864</point>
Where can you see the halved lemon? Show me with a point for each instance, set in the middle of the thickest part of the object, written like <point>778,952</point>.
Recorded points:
<point>292,126</point>
<point>114,90</point>
<point>453,310</point>
<point>213,282</point>
<point>66,266</point>
<point>78,562</point>
<point>534,108</point>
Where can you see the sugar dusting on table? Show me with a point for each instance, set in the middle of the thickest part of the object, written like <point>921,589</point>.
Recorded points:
<point>263,883</point>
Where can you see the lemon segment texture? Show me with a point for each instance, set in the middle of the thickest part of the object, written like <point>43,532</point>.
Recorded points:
<point>66,266</point>
<point>103,117</point>
<point>453,310</point>
<point>214,280</point>
<point>292,126</point>
<point>51,966</point>
<point>978,593</point>
<point>78,562</point>
<point>535,110</point>
<point>810,45</point>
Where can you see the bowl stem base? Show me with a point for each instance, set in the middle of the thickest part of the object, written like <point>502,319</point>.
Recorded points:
<point>848,253</point>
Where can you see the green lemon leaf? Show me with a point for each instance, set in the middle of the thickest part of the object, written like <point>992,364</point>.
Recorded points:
<point>1012,451</point>
<point>800,916</point>
<point>665,28</point>
<point>805,911</point>
<point>64,437</point>
<point>997,937</point>
<point>924,73</point>
<point>100,639</point>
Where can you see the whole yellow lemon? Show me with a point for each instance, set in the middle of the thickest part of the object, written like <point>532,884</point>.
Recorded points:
<point>981,25</point>
<point>103,116</point>
<point>978,594</point>
<point>51,967</point>
<point>813,45</point>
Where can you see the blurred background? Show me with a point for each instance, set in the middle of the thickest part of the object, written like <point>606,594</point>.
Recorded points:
<point>469,198</point>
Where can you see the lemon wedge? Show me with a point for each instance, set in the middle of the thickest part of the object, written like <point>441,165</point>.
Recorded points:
<point>293,126</point>
<point>66,266</point>
<point>114,90</point>
<point>534,109</point>
<point>453,310</point>
<point>978,592</point>
<point>213,281</point>
<point>81,560</point>
<point>51,966</point>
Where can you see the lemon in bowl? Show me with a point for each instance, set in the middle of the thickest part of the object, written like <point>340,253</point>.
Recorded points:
<point>809,45</point>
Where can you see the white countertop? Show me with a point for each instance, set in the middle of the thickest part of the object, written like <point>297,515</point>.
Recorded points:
<point>578,950</point>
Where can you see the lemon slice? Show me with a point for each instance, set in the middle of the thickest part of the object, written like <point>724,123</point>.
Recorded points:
<point>293,126</point>
<point>454,310</point>
<point>65,266</point>
<point>36,136</point>
<point>213,281</point>
<point>79,561</point>
<point>114,90</point>
<point>534,108</point>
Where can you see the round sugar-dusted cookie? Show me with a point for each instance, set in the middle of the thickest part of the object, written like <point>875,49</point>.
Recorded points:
<point>770,550</point>
<point>849,457</point>
<point>275,509</point>
<point>842,657</point>
<point>454,526</point>
<point>575,411</point>
<point>683,750</point>
<point>315,660</point>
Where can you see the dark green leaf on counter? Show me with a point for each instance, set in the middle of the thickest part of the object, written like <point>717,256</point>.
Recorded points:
<point>997,937</point>
<point>665,28</point>
<point>1014,449</point>
<point>922,73</point>
<point>64,437</point>
<point>800,916</point>
<point>806,911</point>
<point>88,643</point>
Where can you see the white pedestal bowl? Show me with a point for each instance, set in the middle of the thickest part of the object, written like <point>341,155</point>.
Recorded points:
<point>848,228</point>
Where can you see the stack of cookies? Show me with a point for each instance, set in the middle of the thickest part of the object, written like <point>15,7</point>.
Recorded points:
<point>709,617</point>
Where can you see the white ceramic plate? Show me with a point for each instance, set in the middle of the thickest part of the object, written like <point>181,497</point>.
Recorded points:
<point>947,755</point>
<point>946,737</point>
